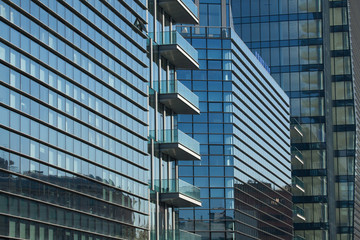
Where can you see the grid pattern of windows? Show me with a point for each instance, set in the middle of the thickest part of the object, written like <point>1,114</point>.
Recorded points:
<point>244,134</point>
<point>291,36</point>
<point>167,98</point>
<point>355,37</point>
<point>73,101</point>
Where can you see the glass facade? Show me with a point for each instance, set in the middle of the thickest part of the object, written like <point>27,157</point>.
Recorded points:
<point>89,99</point>
<point>244,133</point>
<point>168,51</point>
<point>355,43</point>
<point>73,126</point>
<point>307,46</point>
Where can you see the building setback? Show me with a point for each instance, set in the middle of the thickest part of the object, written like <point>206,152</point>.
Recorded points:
<point>307,46</point>
<point>244,132</point>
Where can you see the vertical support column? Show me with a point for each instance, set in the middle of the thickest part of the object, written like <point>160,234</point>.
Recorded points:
<point>152,186</point>
<point>151,63</point>
<point>197,3</point>
<point>156,121</point>
<point>153,172</point>
<point>223,13</point>
<point>157,216</point>
<point>158,200</point>
<point>329,122</point>
<point>155,18</point>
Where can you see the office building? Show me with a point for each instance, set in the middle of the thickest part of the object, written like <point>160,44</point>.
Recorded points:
<point>354,6</point>
<point>82,134</point>
<point>244,133</point>
<point>73,120</point>
<point>307,45</point>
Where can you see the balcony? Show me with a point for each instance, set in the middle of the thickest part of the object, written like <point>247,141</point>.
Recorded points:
<point>182,11</point>
<point>298,238</point>
<point>296,155</point>
<point>176,49</point>
<point>177,97</point>
<point>296,126</point>
<point>176,144</point>
<point>178,193</point>
<point>182,234</point>
<point>175,235</point>
<point>297,183</point>
<point>299,212</point>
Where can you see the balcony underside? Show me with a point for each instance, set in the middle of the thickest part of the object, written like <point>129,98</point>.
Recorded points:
<point>179,200</point>
<point>178,103</point>
<point>178,57</point>
<point>179,151</point>
<point>179,11</point>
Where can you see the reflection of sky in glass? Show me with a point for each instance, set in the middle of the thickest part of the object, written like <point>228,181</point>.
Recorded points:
<point>243,128</point>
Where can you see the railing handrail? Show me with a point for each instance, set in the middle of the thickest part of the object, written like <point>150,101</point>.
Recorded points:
<point>174,37</point>
<point>177,185</point>
<point>298,238</point>
<point>295,149</point>
<point>177,234</point>
<point>176,136</point>
<point>297,181</point>
<point>175,86</point>
<point>298,210</point>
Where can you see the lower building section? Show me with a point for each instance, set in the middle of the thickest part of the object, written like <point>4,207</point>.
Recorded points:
<point>40,206</point>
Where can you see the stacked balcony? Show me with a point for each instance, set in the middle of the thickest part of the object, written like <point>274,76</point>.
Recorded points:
<point>295,125</point>
<point>174,95</point>
<point>178,193</point>
<point>176,144</point>
<point>298,184</point>
<point>175,48</point>
<point>182,11</point>
<point>299,213</point>
<point>296,155</point>
<point>179,54</point>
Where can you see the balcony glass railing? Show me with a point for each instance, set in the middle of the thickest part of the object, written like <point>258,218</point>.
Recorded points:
<point>174,37</point>
<point>175,235</point>
<point>297,181</point>
<point>296,125</point>
<point>295,153</point>
<point>298,211</point>
<point>175,86</point>
<point>188,235</point>
<point>177,186</point>
<point>176,136</point>
<point>298,238</point>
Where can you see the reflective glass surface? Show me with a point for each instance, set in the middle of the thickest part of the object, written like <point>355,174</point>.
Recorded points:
<point>307,45</point>
<point>73,151</point>
<point>244,135</point>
